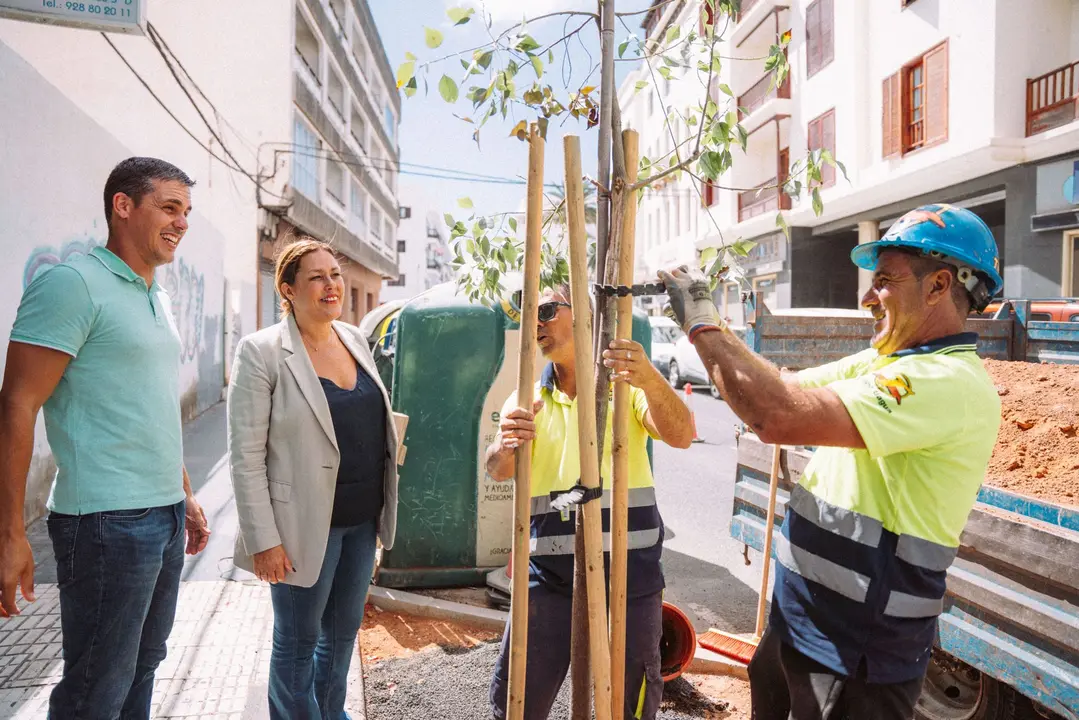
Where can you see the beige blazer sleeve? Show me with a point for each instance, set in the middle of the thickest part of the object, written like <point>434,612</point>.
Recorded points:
<point>250,389</point>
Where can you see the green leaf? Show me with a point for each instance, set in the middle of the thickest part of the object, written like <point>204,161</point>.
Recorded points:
<point>708,255</point>
<point>448,88</point>
<point>711,164</point>
<point>537,65</point>
<point>410,87</point>
<point>432,37</point>
<point>483,59</point>
<point>622,48</point>
<point>842,169</point>
<point>673,33</point>
<point>450,222</point>
<point>526,44</point>
<point>460,15</point>
<point>818,204</point>
<point>665,72</point>
<point>640,85</point>
<point>405,72</point>
<point>742,247</point>
<point>513,224</point>
<point>542,123</point>
<point>510,253</point>
<point>781,223</point>
<point>465,202</point>
<point>743,137</point>
<point>726,89</point>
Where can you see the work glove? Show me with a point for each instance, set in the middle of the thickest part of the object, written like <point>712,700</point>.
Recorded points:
<point>689,298</point>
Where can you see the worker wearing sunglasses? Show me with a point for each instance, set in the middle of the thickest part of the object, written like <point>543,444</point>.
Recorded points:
<point>551,424</point>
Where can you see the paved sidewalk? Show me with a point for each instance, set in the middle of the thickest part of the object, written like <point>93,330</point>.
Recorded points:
<point>219,651</point>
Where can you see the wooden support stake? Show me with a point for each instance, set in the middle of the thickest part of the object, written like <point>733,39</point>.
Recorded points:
<point>526,373</point>
<point>620,442</point>
<point>599,650</point>
<point>773,487</point>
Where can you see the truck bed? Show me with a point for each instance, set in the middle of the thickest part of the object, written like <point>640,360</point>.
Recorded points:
<point>1012,608</point>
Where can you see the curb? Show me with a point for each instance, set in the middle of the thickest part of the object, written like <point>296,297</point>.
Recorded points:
<point>706,662</point>
<point>406,602</point>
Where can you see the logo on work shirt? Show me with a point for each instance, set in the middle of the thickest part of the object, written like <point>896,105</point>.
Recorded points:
<point>898,386</point>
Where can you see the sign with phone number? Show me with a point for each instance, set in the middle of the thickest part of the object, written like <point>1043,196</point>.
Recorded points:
<point>127,16</point>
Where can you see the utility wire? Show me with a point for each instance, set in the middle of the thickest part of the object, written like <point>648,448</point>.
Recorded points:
<point>227,163</point>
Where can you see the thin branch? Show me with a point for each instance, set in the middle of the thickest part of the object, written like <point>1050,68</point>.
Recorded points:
<point>646,10</point>
<point>506,32</point>
<point>684,165</point>
<point>565,37</point>
<point>599,186</point>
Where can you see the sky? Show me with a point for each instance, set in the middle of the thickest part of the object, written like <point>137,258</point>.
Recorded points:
<point>431,136</point>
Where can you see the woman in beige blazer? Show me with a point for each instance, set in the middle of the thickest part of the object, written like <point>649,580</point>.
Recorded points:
<point>312,448</point>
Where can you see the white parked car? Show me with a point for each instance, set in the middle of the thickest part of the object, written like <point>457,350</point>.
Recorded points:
<point>665,332</point>
<point>686,367</point>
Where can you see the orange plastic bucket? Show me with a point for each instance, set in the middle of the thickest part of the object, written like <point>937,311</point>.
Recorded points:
<point>677,644</point>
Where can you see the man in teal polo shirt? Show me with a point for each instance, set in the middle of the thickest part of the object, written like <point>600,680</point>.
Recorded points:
<point>904,432</point>
<point>95,344</point>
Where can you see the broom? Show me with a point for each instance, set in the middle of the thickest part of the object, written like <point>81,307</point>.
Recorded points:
<point>738,647</point>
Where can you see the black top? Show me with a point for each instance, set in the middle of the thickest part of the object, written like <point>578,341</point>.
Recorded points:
<point>359,422</point>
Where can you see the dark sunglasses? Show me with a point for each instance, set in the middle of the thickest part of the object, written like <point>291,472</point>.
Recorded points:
<point>548,310</point>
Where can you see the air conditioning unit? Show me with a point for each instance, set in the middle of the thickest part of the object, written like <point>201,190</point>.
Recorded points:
<point>404,213</point>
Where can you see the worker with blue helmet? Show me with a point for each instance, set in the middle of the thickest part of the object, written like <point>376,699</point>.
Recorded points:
<point>953,235</point>
<point>904,431</point>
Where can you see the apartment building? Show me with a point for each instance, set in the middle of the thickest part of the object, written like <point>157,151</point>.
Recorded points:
<point>423,251</point>
<point>342,162</point>
<point>969,102</point>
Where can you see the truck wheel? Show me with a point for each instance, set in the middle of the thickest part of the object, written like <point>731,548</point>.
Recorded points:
<point>954,690</point>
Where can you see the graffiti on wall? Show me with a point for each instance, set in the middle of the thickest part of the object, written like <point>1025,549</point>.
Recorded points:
<point>187,289</point>
<point>45,257</point>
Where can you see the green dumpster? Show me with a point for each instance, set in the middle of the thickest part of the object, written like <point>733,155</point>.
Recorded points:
<point>454,365</point>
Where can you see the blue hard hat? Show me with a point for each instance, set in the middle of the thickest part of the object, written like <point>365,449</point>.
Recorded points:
<point>952,234</point>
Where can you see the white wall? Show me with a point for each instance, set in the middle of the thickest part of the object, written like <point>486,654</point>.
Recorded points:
<point>239,53</point>
<point>55,160</point>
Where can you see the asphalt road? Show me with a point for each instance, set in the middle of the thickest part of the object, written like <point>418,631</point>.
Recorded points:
<point>706,573</point>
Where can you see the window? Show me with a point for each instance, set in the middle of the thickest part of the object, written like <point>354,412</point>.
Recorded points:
<point>354,302</point>
<point>709,194</point>
<point>376,222</point>
<point>915,104</point>
<point>398,282</point>
<point>335,181</point>
<point>357,221</point>
<point>651,102</point>
<point>335,92</point>
<point>370,302</point>
<point>359,49</point>
<point>1041,317</point>
<point>821,136</point>
<point>306,45</point>
<point>387,235</point>
<point>389,120</point>
<point>820,36</point>
<point>337,9</point>
<point>305,159</point>
<point>400,246</point>
<point>358,128</point>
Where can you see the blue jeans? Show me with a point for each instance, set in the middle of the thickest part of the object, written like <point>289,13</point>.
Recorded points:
<point>119,575</point>
<point>314,629</point>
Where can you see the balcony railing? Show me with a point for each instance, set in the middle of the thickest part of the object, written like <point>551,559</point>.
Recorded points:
<point>759,200</point>
<point>761,92</point>
<point>1051,99</point>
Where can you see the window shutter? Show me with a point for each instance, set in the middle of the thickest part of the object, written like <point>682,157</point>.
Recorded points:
<point>936,95</point>
<point>892,116</point>
<point>826,21</point>
<point>827,142</point>
<point>814,134</point>
<point>813,48</point>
